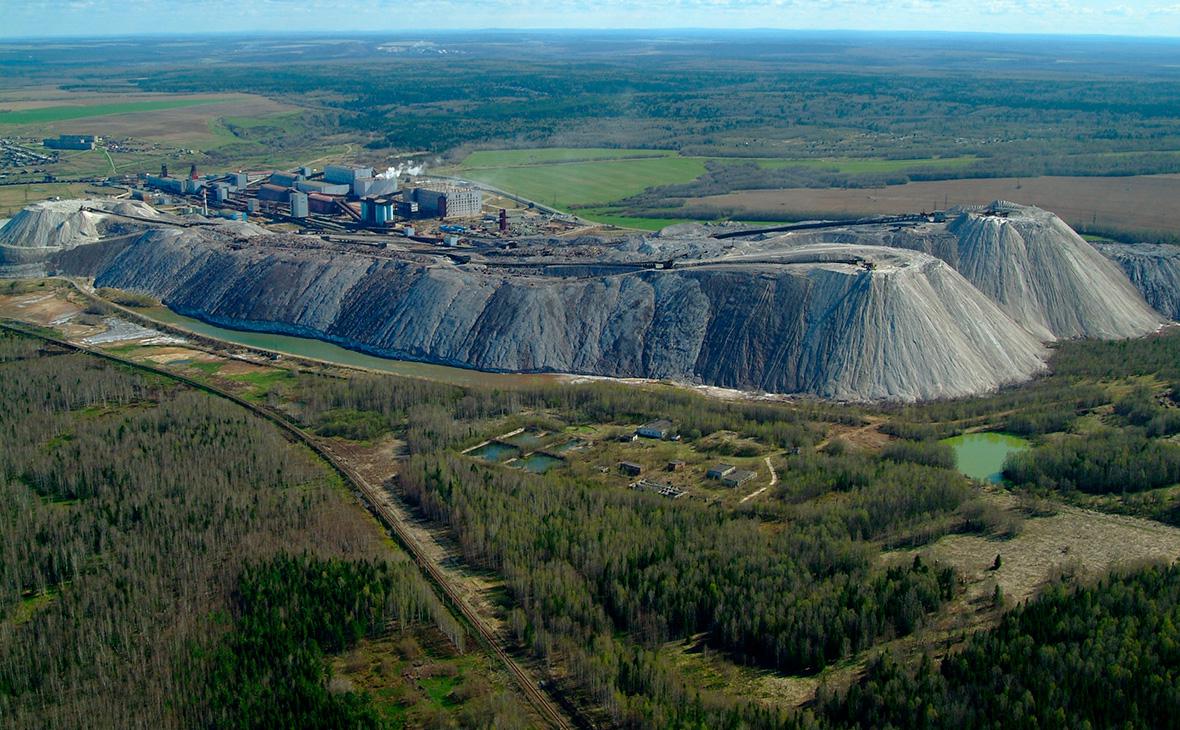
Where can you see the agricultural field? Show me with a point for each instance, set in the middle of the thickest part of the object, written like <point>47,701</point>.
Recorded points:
<point>589,180</point>
<point>143,131</point>
<point>1143,203</point>
<point>566,185</point>
<point>48,115</point>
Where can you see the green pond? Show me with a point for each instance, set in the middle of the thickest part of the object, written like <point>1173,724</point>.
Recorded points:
<point>527,440</point>
<point>537,463</point>
<point>569,446</point>
<point>495,451</point>
<point>327,352</point>
<point>981,455</point>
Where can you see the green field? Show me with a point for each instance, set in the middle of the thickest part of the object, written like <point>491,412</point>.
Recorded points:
<point>50,114</point>
<point>609,217</point>
<point>595,182</point>
<point>591,179</point>
<point>551,155</point>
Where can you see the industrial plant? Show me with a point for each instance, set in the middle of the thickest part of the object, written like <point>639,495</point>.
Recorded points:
<point>339,198</point>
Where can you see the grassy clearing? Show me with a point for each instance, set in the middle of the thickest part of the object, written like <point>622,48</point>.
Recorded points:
<point>262,381</point>
<point>30,605</point>
<point>208,368</point>
<point>608,217</point>
<point>589,183</point>
<point>50,114</point>
<point>416,678</point>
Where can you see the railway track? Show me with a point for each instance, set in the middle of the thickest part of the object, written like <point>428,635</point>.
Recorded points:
<point>370,497</point>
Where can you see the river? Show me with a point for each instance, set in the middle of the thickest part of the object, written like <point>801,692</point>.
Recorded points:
<point>325,351</point>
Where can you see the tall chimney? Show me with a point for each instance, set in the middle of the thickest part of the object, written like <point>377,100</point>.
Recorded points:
<point>164,170</point>
<point>503,221</point>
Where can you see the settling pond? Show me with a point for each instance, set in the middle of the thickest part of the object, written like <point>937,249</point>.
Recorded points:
<point>537,463</point>
<point>981,455</point>
<point>327,352</point>
<point>494,451</point>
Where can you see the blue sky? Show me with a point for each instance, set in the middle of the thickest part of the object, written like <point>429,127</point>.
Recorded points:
<point>22,18</point>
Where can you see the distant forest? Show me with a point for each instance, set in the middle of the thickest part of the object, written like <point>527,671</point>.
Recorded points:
<point>1023,106</point>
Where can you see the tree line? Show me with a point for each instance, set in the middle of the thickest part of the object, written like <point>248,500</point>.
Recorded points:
<point>1093,656</point>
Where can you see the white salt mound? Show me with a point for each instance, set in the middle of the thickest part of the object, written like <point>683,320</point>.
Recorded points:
<point>64,224</point>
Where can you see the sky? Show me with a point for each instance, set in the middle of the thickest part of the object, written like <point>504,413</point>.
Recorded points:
<point>40,18</point>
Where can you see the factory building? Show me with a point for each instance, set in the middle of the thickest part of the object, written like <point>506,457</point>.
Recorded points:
<point>276,193</point>
<point>447,201</point>
<point>71,142</point>
<point>374,187</point>
<point>345,175</point>
<point>169,184</point>
<point>240,180</point>
<point>285,179</point>
<point>151,197</point>
<point>317,203</point>
<point>323,188</point>
<point>298,205</point>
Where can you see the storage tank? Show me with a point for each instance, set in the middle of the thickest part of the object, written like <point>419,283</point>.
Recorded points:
<point>298,205</point>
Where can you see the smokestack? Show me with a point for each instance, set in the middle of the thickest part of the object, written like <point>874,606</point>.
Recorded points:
<point>192,172</point>
<point>164,170</point>
<point>503,221</point>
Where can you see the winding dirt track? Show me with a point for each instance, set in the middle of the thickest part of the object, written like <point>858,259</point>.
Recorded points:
<point>370,497</point>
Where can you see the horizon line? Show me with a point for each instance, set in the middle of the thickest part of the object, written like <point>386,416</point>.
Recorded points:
<point>577,30</point>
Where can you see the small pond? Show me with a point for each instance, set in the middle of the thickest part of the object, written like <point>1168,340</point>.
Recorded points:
<point>981,455</point>
<point>569,446</point>
<point>495,451</point>
<point>527,440</point>
<point>537,463</point>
